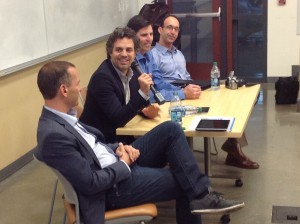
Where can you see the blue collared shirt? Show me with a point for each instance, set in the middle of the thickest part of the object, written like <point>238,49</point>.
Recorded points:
<point>149,66</point>
<point>171,63</point>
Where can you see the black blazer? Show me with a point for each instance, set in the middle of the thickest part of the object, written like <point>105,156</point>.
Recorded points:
<point>62,147</point>
<point>105,107</point>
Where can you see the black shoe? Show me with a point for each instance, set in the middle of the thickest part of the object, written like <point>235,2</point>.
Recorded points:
<point>214,203</point>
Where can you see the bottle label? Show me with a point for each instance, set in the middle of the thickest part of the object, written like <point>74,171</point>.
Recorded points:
<point>176,115</point>
<point>215,82</point>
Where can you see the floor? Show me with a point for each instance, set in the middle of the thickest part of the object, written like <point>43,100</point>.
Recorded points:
<point>273,133</point>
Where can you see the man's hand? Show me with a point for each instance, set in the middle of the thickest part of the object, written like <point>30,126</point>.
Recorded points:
<point>151,111</point>
<point>123,155</point>
<point>127,153</point>
<point>132,152</point>
<point>145,80</point>
<point>192,91</point>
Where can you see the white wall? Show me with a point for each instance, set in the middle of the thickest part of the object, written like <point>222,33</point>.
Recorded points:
<point>283,41</point>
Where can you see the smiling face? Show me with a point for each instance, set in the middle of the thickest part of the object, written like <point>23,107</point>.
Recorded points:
<point>123,54</point>
<point>145,36</point>
<point>169,31</point>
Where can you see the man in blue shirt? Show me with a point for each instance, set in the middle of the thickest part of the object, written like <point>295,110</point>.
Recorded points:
<point>172,65</point>
<point>144,57</point>
<point>170,60</point>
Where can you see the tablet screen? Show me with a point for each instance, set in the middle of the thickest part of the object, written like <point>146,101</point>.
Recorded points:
<point>213,125</point>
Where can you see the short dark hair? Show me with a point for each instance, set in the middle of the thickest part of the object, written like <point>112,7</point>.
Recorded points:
<point>51,76</point>
<point>167,16</point>
<point>120,33</point>
<point>138,22</point>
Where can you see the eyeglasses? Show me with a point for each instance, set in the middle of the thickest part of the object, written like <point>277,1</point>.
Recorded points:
<point>171,28</point>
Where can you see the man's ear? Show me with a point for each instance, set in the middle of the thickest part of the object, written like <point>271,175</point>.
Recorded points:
<point>63,90</point>
<point>159,29</point>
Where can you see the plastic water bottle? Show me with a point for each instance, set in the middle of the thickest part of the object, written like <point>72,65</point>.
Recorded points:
<point>189,110</point>
<point>215,77</point>
<point>176,109</point>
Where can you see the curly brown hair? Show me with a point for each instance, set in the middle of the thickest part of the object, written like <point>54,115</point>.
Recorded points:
<point>120,33</point>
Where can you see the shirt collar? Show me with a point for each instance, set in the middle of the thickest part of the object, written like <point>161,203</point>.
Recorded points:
<point>164,49</point>
<point>146,56</point>
<point>70,117</point>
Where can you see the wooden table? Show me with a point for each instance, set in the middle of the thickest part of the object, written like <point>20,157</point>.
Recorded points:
<point>223,103</point>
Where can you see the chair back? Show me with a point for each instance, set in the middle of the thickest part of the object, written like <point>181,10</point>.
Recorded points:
<point>70,195</point>
<point>134,214</point>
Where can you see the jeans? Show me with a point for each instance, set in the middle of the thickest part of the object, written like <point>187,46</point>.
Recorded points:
<point>165,170</point>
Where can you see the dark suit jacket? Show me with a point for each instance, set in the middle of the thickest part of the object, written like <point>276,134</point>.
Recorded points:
<point>62,147</point>
<point>105,107</point>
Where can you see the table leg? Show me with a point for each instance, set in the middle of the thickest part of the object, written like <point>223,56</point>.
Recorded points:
<point>207,163</point>
<point>207,156</point>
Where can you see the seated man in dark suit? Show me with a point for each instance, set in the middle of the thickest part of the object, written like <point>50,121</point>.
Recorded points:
<point>115,93</point>
<point>110,176</point>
